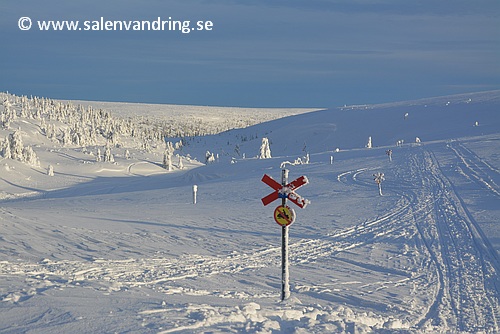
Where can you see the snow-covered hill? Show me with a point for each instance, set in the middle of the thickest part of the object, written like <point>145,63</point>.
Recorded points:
<point>105,246</point>
<point>348,127</point>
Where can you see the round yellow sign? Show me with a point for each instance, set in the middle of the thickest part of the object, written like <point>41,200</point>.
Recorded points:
<point>284,215</point>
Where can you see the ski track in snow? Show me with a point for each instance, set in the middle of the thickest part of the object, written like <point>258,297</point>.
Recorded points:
<point>467,279</point>
<point>466,265</point>
<point>462,279</point>
<point>477,169</point>
<point>467,270</point>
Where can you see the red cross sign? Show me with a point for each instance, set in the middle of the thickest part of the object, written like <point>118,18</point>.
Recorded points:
<point>286,191</point>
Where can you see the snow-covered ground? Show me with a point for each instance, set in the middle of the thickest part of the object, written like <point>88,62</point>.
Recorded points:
<point>119,247</point>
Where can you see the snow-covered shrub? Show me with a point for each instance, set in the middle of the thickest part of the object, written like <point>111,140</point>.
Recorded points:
<point>298,161</point>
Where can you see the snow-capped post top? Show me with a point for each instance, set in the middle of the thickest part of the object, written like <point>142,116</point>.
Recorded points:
<point>195,191</point>
<point>286,191</point>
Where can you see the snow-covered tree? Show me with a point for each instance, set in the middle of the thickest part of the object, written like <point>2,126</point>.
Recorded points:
<point>178,145</point>
<point>30,157</point>
<point>66,137</point>
<point>114,138</point>
<point>167,161</point>
<point>16,146</point>
<point>265,150</point>
<point>3,119</point>
<point>369,144</point>
<point>146,146</point>
<point>12,148</point>
<point>167,156</point>
<point>209,158</point>
<point>108,156</point>
<point>5,149</point>
<point>50,170</point>
<point>8,115</point>
<point>379,177</point>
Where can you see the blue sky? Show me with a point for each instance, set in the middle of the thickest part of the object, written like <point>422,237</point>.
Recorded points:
<point>310,53</point>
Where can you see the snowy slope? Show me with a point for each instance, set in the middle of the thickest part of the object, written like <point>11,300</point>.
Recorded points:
<point>349,127</point>
<point>119,247</point>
